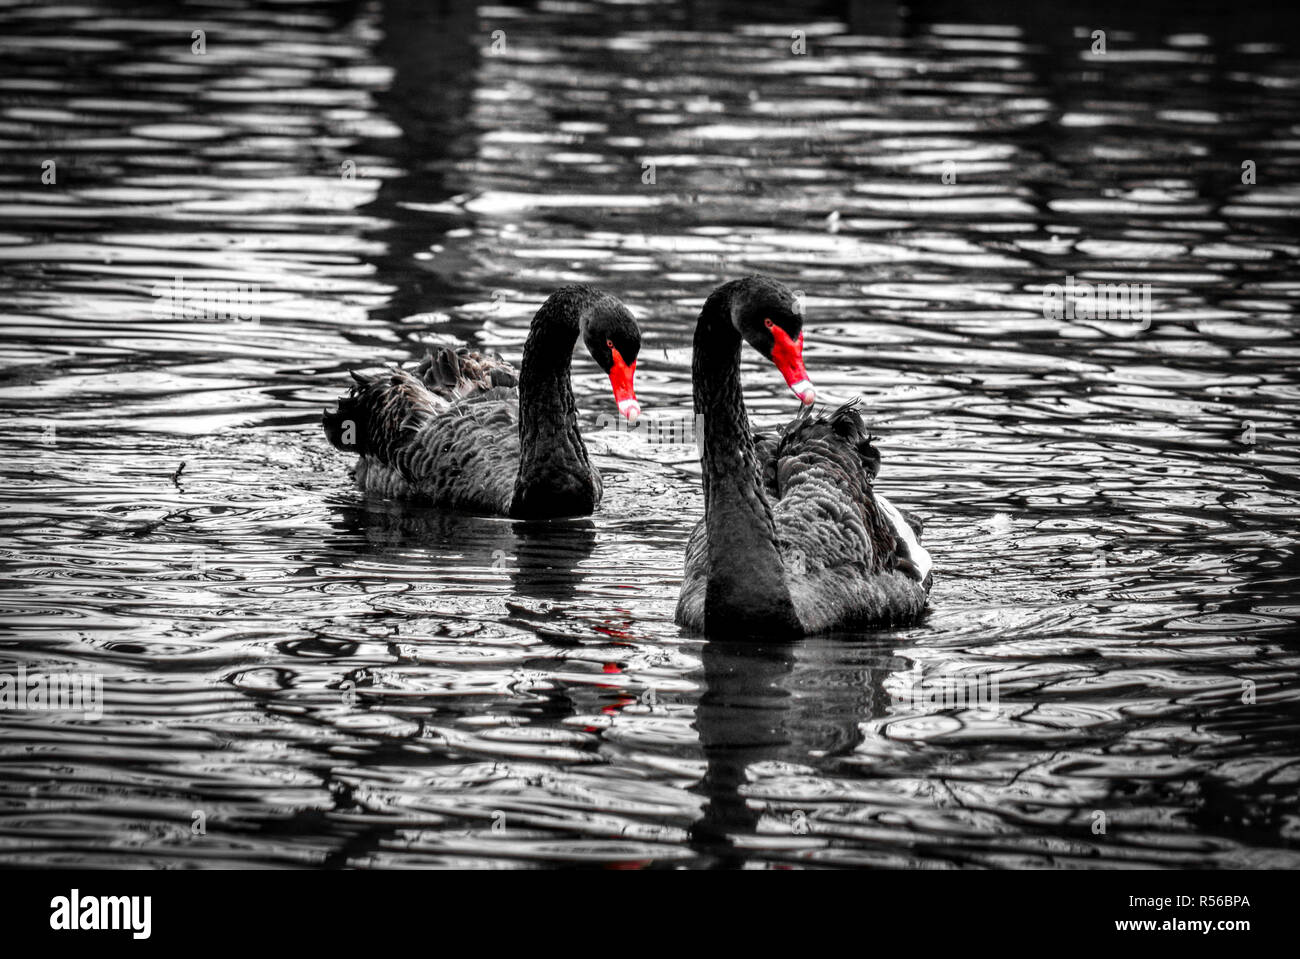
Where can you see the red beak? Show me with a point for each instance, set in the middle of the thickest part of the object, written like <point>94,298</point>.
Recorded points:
<point>620,378</point>
<point>787,354</point>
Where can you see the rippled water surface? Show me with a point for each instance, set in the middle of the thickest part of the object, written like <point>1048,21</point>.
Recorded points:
<point>296,676</point>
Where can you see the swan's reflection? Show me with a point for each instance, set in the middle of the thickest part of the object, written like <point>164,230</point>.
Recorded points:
<point>799,703</point>
<point>542,559</point>
<point>548,555</point>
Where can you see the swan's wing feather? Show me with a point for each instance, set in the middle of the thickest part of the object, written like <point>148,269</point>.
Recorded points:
<point>690,601</point>
<point>453,373</point>
<point>467,458</point>
<point>912,555</point>
<point>766,447</point>
<point>375,417</point>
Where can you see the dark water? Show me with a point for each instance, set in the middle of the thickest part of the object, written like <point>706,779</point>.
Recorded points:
<point>318,680</point>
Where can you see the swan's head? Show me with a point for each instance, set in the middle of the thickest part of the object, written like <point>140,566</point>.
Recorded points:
<point>613,339</point>
<point>768,316</point>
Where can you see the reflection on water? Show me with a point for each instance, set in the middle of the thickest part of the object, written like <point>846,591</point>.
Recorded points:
<point>330,680</point>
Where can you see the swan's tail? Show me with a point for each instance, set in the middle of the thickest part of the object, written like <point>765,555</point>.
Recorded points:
<point>379,415</point>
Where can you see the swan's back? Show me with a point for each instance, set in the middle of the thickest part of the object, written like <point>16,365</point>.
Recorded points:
<point>426,446</point>
<point>850,557</point>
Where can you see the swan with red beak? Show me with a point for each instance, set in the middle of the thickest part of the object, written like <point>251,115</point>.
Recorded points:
<point>464,431</point>
<point>795,539</point>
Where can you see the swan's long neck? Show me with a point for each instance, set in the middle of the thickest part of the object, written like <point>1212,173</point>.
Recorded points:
<point>555,476</point>
<point>746,588</point>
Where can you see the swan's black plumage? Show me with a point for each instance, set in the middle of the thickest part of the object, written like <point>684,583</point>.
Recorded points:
<point>461,431</point>
<point>795,540</point>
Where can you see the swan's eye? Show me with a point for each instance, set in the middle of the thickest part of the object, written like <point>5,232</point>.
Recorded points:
<point>768,323</point>
<point>610,344</point>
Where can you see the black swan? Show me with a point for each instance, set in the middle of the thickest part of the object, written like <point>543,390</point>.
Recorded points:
<point>461,432</point>
<point>794,539</point>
